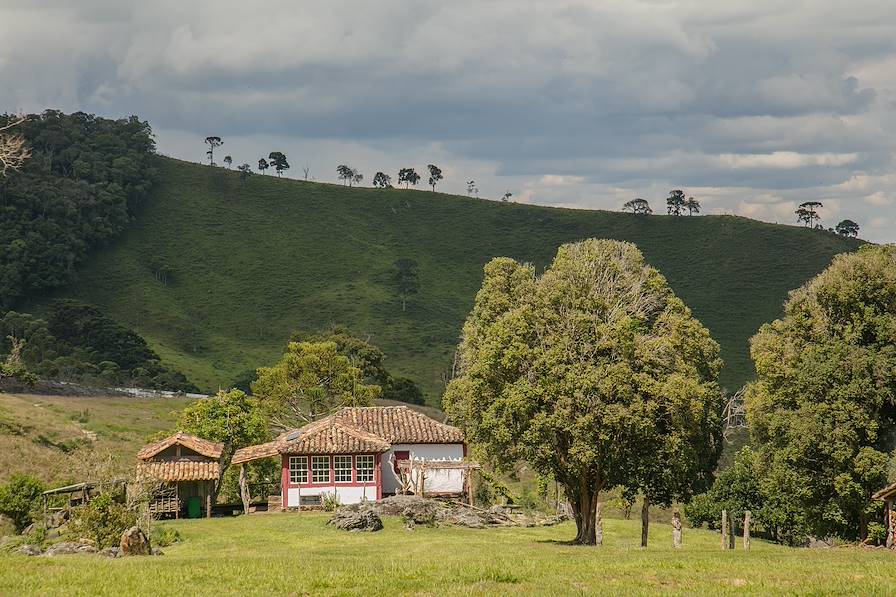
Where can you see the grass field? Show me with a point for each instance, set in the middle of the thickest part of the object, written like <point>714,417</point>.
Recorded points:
<point>296,554</point>
<point>66,438</point>
<point>247,265</point>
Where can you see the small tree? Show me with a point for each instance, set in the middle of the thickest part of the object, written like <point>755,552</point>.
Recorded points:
<point>228,161</point>
<point>229,417</point>
<point>311,380</point>
<point>19,499</point>
<point>245,172</point>
<point>14,366</point>
<point>692,205</point>
<point>637,206</point>
<point>408,176</point>
<point>847,228</point>
<point>506,197</point>
<point>471,188</point>
<point>345,173</point>
<point>382,180</point>
<point>675,203</point>
<point>808,213</point>
<point>277,159</point>
<point>405,279</point>
<point>263,165</point>
<point>213,143</point>
<point>357,177</point>
<point>435,175</point>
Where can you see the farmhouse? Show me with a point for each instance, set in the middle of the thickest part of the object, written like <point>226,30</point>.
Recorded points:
<point>358,454</point>
<point>186,467</point>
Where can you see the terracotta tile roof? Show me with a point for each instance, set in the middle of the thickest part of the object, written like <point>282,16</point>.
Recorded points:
<point>400,425</point>
<point>179,470</point>
<point>199,445</point>
<point>356,430</point>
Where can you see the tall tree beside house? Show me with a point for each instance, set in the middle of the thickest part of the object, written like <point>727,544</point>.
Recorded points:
<point>637,206</point>
<point>435,175</point>
<point>588,372</point>
<point>310,381</point>
<point>847,228</point>
<point>675,202</point>
<point>263,165</point>
<point>277,159</point>
<point>405,279</point>
<point>229,417</point>
<point>213,143</point>
<point>821,411</point>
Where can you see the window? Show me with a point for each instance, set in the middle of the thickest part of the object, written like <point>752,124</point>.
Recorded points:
<point>343,467</point>
<point>320,469</point>
<point>364,466</point>
<point>298,469</point>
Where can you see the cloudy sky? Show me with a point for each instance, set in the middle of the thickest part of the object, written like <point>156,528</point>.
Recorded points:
<point>751,106</point>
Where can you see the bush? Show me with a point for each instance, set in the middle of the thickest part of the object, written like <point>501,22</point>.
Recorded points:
<point>103,520</point>
<point>19,499</point>
<point>330,501</point>
<point>164,536</point>
<point>877,533</point>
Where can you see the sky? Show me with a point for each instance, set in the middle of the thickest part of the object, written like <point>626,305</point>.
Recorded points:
<point>750,106</point>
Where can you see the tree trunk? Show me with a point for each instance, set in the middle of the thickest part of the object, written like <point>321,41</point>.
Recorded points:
<point>244,488</point>
<point>583,510</point>
<point>747,530</point>
<point>724,529</point>
<point>645,520</point>
<point>598,526</point>
<point>863,526</point>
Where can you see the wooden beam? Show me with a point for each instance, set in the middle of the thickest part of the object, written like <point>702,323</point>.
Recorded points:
<point>208,499</point>
<point>244,488</point>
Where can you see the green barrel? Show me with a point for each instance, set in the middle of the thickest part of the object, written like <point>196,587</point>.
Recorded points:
<point>194,507</point>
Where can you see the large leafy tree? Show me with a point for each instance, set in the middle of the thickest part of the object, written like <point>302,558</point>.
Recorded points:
<point>594,373</point>
<point>213,143</point>
<point>229,417</point>
<point>847,228</point>
<point>637,206</point>
<point>822,409</point>
<point>311,380</point>
<point>676,202</point>
<point>277,159</point>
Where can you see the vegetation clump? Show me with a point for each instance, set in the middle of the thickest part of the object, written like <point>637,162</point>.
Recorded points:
<point>19,499</point>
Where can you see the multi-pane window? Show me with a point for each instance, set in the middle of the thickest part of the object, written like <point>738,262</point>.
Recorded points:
<point>364,468</point>
<point>320,469</point>
<point>298,469</point>
<point>342,466</point>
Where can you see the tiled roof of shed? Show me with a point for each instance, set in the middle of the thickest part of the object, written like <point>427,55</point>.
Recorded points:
<point>179,470</point>
<point>400,425</point>
<point>199,445</point>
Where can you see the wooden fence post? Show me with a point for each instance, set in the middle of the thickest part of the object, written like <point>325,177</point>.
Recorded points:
<point>724,529</point>
<point>244,488</point>
<point>676,529</point>
<point>598,526</point>
<point>746,529</point>
<point>889,523</point>
<point>645,520</point>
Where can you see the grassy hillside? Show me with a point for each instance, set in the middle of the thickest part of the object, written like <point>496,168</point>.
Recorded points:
<point>298,554</point>
<point>217,275</point>
<point>64,438</point>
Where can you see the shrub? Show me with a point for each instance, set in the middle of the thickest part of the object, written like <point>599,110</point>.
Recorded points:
<point>19,499</point>
<point>103,520</point>
<point>165,536</point>
<point>877,533</point>
<point>330,501</point>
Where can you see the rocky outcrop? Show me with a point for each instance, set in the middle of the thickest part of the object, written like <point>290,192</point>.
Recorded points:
<point>353,520</point>
<point>134,542</point>
<point>64,548</point>
<point>28,550</point>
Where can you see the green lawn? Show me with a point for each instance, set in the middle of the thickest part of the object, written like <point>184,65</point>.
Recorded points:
<point>244,266</point>
<point>296,554</point>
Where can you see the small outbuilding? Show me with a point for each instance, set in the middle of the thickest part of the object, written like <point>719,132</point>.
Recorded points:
<point>888,496</point>
<point>186,469</point>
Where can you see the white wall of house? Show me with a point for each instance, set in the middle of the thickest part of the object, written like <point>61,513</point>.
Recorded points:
<point>443,481</point>
<point>347,494</point>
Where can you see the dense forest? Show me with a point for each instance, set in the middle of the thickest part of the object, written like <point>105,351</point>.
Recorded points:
<point>81,186</point>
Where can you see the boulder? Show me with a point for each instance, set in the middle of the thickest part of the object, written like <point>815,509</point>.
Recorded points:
<point>134,542</point>
<point>425,512</point>
<point>110,552</point>
<point>64,548</point>
<point>29,550</point>
<point>351,520</point>
<point>57,519</point>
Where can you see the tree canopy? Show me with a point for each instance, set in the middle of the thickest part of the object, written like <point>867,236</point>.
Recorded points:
<point>435,175</point>
<point>277,159</point>
<point>821,411</point>
<point>408,176</point>
<point>229,417</point>
<point>637,206</point>
<point>311,380</point>
<point>382,180</point>
<point>847,228</point>
<point>676,202</point>
<point>594,373</point>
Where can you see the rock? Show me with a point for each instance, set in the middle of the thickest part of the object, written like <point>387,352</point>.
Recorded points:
<point>425,512</point>
<point>110,552</point>
<point>29,530</point>
<point>134,542</point>
<point>57,519</point>
<point>64,548</point>
<point>158,552</point>
<point>53,534</point>
<point>29,550</point>
<point>350,520</point>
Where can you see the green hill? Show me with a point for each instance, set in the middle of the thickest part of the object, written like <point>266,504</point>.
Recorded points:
<point>216,274</point>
